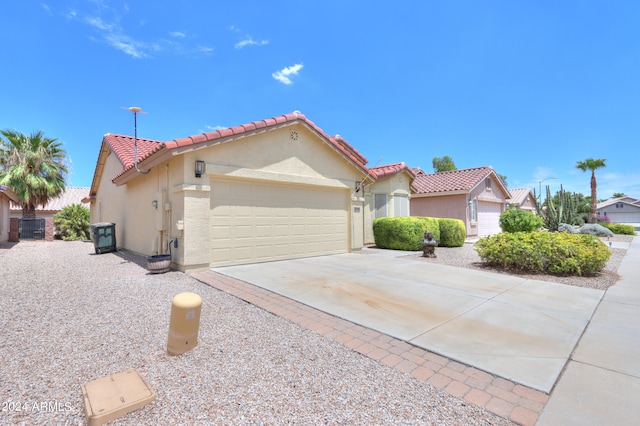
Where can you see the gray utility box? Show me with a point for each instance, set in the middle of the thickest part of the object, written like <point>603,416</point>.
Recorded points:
<point>103,235</point>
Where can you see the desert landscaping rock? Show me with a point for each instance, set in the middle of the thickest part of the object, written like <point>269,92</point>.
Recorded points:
<point>68,316</point>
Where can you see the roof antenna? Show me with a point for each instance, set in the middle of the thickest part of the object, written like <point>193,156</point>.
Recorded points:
<point>135,111</point>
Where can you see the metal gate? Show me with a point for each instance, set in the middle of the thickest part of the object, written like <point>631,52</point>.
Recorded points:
<point>31,229</point>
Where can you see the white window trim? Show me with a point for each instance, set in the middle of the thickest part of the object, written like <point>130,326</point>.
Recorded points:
<point>473,210</point>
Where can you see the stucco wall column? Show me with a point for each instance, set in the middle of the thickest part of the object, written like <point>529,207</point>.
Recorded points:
<point>196,240</point>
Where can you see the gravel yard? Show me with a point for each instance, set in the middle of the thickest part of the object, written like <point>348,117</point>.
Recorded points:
<point>68,316</point>
<point>466,257</point>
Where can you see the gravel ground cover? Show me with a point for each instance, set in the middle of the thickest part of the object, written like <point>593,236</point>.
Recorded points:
<point>68,316</point>
<point>467,257</point>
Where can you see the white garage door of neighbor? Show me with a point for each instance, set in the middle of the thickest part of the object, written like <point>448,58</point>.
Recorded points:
<point>624,217</point>
<point>258,222</point>
<point>489,219</point>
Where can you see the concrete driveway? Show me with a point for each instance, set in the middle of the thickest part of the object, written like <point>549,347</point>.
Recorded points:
<point>519,329</point>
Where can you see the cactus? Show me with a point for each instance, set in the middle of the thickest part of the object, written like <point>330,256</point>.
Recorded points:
<point>553,215</point>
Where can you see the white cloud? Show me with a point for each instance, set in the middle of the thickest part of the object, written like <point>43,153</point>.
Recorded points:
<point>249,41</point>
<point>98,23</point>
<point>214,128</point>
<point>46,8</point>
<point>126,45</point>
<point>105,21</point>
<point>283,75</point>
<point>204,49</point>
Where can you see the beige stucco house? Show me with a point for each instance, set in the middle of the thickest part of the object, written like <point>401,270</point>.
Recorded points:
<point>387,194</point>
<point>273,189</point>
<point>522,198</point>
<point>7,196</point>
<point>477,196</point>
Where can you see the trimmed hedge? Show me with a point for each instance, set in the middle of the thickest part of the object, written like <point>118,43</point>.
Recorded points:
<point>517,220</point>
<point>407,232</point>
<point>452,232</point>
<point>545,252</point>
<point>619,228</point>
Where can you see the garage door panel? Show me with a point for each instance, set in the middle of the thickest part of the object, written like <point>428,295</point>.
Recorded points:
<point>489,218</point>
<point>257,222</point>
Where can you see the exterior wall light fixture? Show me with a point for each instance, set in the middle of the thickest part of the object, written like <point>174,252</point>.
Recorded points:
<point>200,166</point>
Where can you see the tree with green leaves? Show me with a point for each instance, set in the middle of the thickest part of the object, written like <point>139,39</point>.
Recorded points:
<point>619,195</point>
<point>33,166</point>
<point>592,164</point>
<point>443,164</point>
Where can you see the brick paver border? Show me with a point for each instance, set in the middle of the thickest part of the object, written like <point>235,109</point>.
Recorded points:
<point>497,395</point>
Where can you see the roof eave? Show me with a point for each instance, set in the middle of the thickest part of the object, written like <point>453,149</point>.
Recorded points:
<point>145,165</point>
<point>10,194</point>
<point>439,193</point>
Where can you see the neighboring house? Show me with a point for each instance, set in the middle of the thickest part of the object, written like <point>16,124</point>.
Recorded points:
<point>522,198</point>
<point>7,196</point>
<point>621,210</point>
<point>388,195</point>
<point>279,188</point>
<point>42,227</point>
<point>477,196</point>
<point>71,195</point>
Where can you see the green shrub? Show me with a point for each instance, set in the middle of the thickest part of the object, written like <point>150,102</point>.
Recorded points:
<point>517,220</point>
<point>619,228</point>
<point>72,223</point>
<point>452,232</point>
<point>403,233</point>
<point>431,224</point>
<point>545,252</point>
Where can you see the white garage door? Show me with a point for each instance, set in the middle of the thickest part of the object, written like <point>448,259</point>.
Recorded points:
<point>255,222</point>
<point>489,218</point>
<point>626,217</point>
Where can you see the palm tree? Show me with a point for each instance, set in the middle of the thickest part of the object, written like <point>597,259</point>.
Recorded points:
<point>33,166</point>
<point>592,164</point>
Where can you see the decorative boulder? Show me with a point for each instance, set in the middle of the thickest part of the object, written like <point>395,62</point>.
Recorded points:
<point>565,227</point>
<point>595,229</point>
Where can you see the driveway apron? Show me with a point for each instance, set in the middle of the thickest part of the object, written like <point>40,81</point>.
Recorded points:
<point>519,329</point>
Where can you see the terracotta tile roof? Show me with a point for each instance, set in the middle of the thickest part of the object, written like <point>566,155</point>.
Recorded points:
<point>122,145</point>
<point>454,180</point>
<point>390,170</point>
<point>71,195</point>
<point>519,195</point>
<point>124,148</point>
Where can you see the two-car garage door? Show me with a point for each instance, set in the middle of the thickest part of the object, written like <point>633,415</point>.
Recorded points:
<point>256,221</point>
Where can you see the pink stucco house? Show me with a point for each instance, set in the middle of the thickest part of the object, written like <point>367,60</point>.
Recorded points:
<point>522,198</point>
<point>477,196</point>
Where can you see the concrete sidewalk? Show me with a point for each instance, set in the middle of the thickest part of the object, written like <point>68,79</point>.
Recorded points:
<point>601,384</point>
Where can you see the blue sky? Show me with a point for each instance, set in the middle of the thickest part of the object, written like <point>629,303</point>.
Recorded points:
<point>528,87</point>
